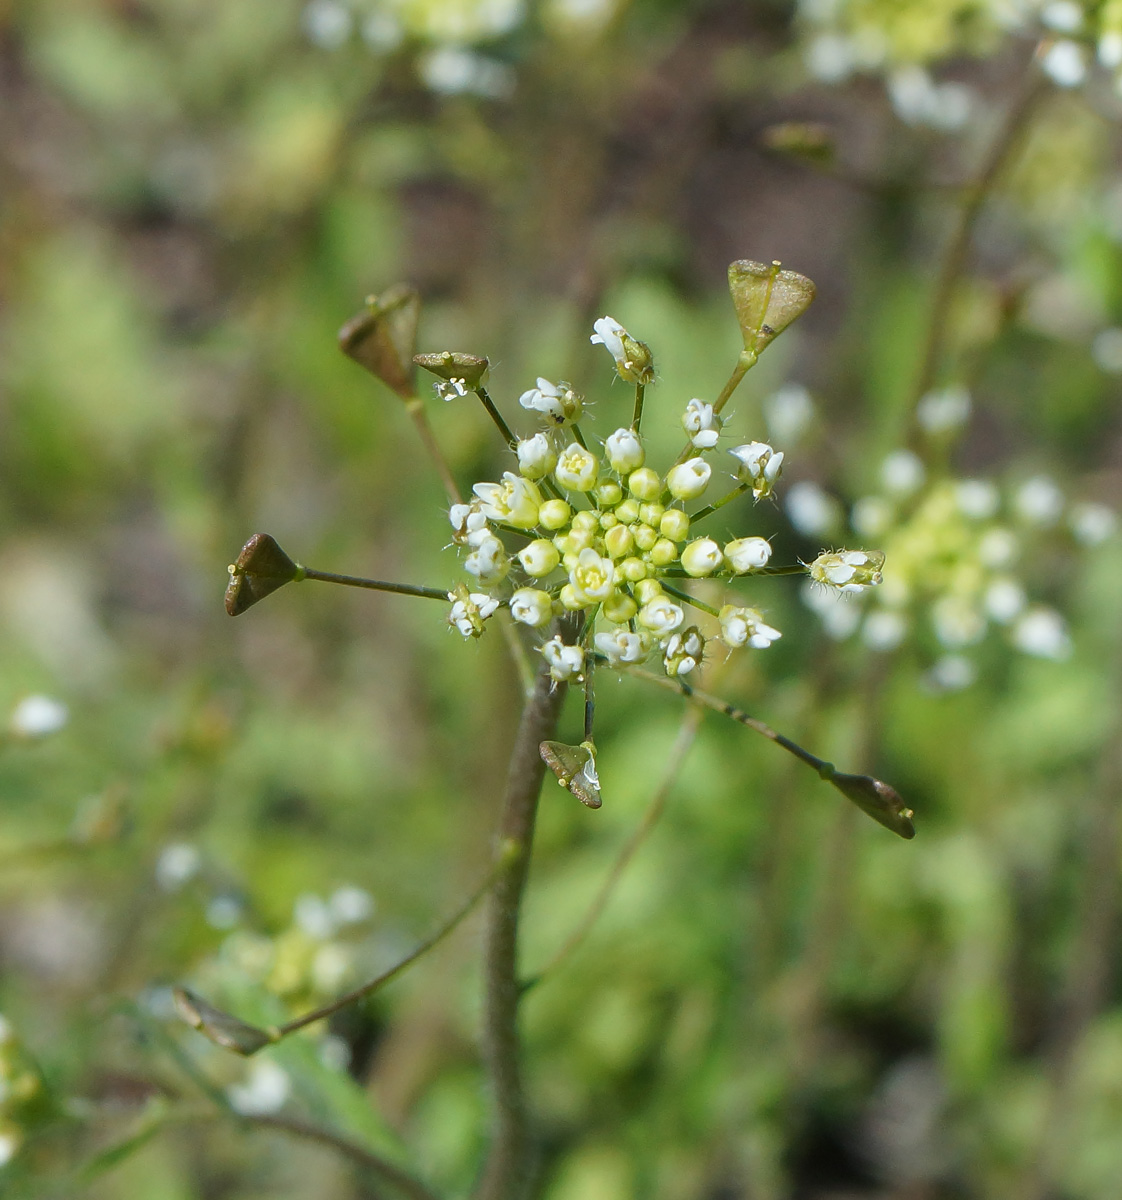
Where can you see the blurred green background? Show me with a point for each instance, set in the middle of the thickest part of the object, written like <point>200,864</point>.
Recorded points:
<point>781,1000</point>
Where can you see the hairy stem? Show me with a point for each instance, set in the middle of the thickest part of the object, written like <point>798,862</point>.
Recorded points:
<point>508,1171</point>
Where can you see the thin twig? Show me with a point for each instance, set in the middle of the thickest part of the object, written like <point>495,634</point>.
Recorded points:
<point>376,585</point>
<point>496,416</point>
<point>416,410</point>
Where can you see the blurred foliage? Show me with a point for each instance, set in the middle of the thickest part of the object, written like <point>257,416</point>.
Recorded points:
<point>781,999</point>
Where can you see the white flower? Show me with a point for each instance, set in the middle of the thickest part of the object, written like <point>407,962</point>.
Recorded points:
<point>746,626</point>
<point>702,424</point>
<point>178,863</point>
<point>944,410</point>
<point>1092,523</point>
<point>847,570</point>
<point>976,498</point>
<point>1065,63</point>
<point>625,451</point>
<point>760,466</point>
<point>593,578</point>
<point>812,511</point>
<point>532,607</point>
<point>951,673</point>
<point>998,547</point>
<point>702,557</point>
<point>1004,600</point>
<point>683,651</point>
<point>577,468</point>
<point>633,358</point>
<point>747,554</point>
<point>871,516</point>
<point>1110,50</point>
<point>469,525</point>
<point>1043,633</point>
<point>488,561</point>
<point>1039,501</point>
<point>470,610</point>
<point>351,905</point>
<point>539,558</point>
<point>556,401</point>
<point>689,480</point>
<point>565,662</point>
<point>264,1090</point>
<point>536,457</point>
<point>38,716</point>
<point>661,616</point>
<point>884,629</point>
<point>450,389</point>
<point>788,412</point>
<point>620,646</point>
<point>515,501</point>
<point>902,473</point>
<point>957,621</point>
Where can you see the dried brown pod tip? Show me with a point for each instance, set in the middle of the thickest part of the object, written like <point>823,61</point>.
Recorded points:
<point>261,568</point>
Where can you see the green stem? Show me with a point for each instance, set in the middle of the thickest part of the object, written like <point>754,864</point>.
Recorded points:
<point>509,1168</point>
<point>496,416</point>
<point>377,585</point>
<point>702,513</point>
<point>637,416</point>
<point>380,981</point>
<point>700,604</point>
<point>578,436</point>
<point>744,363</point>
<point>416,411</point>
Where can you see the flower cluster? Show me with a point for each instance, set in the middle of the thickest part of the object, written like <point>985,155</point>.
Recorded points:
<point>604,534</point>
<point>962,559</point>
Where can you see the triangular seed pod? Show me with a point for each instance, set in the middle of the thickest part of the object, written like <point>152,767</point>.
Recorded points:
<point>880,801</point>
<point>575,768</point>
<point>261,568</point>
<point>767,300</point>
<point>455,364</point>
<point>223,1029</point>
<point>383,336</point>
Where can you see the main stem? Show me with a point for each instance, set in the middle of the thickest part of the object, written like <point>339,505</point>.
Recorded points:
<point>508,1171</point>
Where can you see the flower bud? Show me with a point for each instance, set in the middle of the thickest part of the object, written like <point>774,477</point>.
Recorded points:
<point>747,554</point>
<point>624,451</point>
<point>760,466</point>
<point>647,590</point>
<point>689,480</point>
<point>576,468</point>
<point>634,570</point>
<point>539,558</point>
<point>645,536</point>
<point>620,608</point>
<point>536,457</point>
<point>663,552</point>
<point>644,484</point>
<point>674,524</point>
<point>628,511</point>
<point>608,494</point>
<point>683,651</point>
<point>531,607</point>
<point>702,557</point>
<point>651,514</point>
<point>848,570</point>
<point>661,616</point>
<point>702,425</point>
<point>634,362</point>
<point>554,514</point>
<point>619,541</point>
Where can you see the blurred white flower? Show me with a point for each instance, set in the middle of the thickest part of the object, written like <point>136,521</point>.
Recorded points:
<point>1042,633</point>
<point>976,498</point>
<point>943,410</point>
<point>312,914</point>
<point>38,716</point>
<point>812,511</point>
<point>265,1088</point>
<point>902,473</point>
<point>1004,600</point>
<point>951,673</point>
<point>788,412</point>
<point>1106,350</point>
<point>178,863</point>
<point>327,23</point>
<point>1092,524</point>
<point>884,629</point>
<point>1039,501</point>
<point>351,905</point>
<point>1065,63</point>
